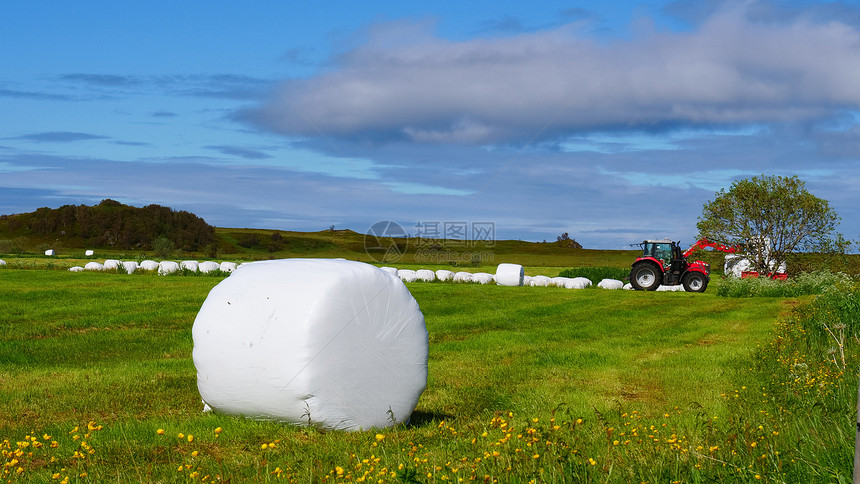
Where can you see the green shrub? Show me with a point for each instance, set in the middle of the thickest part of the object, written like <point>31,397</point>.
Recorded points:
<point>803,284</point>
<point>597,274</point>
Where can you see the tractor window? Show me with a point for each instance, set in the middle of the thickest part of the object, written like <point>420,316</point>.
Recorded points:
<point>658,251</point>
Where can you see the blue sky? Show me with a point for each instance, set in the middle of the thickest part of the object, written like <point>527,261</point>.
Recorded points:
<point>613,121</point>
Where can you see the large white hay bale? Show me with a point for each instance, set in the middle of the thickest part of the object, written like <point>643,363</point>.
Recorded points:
<point>227,266</point>
<point>208,266</point>
<point>390,270</point>
<point>94,266</point>
<point>111,264</point>
<point>612,284</point>
<point>88,252</point>
<point>336,344</point>
<point>540,281</point>
<point>678,288</point>
<point>425,275</point>
<point>407,275</point>
<point>166,267</point>
<point>130,266</point>
<point>510,275</point>
<point>191,265</point>
<point>76,269</point>
<point>482,278</point>
<point>463,276</point>
<point>149,265</point>
<point>50,252</point>
<point>445,275</point>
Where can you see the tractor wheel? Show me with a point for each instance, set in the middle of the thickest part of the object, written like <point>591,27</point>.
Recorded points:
<point>645,277</point>
<point>695,282</point>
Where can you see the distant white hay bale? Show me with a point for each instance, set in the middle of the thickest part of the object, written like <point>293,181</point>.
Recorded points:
<point>584,281</point>
<point>227,266</point>
<point>335,344</point>
<point>541,281</point>
<point>111,264</point>
<point>527,280</point>
<point>50,252</point>
<point>191,265</point>
<point>444,275</point>
<point>628,287</point>
<point>208,266</point>
<point>558,281</point>
<point>463,276</point>
<point>390,270</point>
<point>76,269</point>
<point>612,284</point>
<point>678,288</point>
<point>407,275</point>
<point>94,266</point>
<point>149,265</point>
<point>2,262</point>
<point>130,266</point>
<point>88,253</point>
<point>166,267</point>
<point>425,275</point>
<point>482,278</point>
<point>510,274</point>
<point>577,283</point>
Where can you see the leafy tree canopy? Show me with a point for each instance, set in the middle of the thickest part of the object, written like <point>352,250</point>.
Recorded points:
<point>771,217</point>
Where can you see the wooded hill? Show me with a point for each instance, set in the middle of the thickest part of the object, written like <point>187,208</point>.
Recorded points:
<point>110,225</point>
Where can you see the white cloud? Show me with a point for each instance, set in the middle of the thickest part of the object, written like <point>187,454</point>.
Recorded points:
<point>405,83</point>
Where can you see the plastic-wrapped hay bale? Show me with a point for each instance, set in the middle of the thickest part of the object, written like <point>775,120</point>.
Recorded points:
<point>407,275</point>
<point>94,266</point>
<point>166,267</point>
<point>583,282</point>
<point>444,275</point>
<point>463,276</point>
<point>208,266</point>
<point>335,344</point>
<point>50,252</point>
<point>2,262</point>
<point>191,265</point>
<point>227,266</point>
<point>482,278</point>
<point>628,287</point>
<point>613,284</point>
<point>575,284</point>
<point>390,270</point>
<point>510,275</point>
<point>558,281</point>
<point>76,269</point>
<point>540,281</point>
<point>678,288</point>
<point>88,253</point>
<point>527,280</point>
<point>111,264</point>
<point>129,266</point>
<point>149,265</point>
<point>425,275</point>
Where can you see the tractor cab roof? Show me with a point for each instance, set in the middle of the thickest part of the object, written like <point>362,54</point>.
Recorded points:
<point>661,241</point>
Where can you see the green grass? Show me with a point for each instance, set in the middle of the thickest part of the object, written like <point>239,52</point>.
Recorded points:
<point>115,350</point>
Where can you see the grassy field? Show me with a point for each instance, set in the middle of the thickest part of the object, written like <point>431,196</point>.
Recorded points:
<point>542,384</point>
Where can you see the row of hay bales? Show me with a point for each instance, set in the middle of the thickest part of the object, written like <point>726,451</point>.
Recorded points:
<point>506,275</point>
<point>164,267</point>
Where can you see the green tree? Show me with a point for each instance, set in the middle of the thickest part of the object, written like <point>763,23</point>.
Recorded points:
<point>163,246</point>
<point>771,218</point>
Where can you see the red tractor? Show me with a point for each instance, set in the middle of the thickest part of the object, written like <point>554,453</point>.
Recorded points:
<point>663,263</point>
